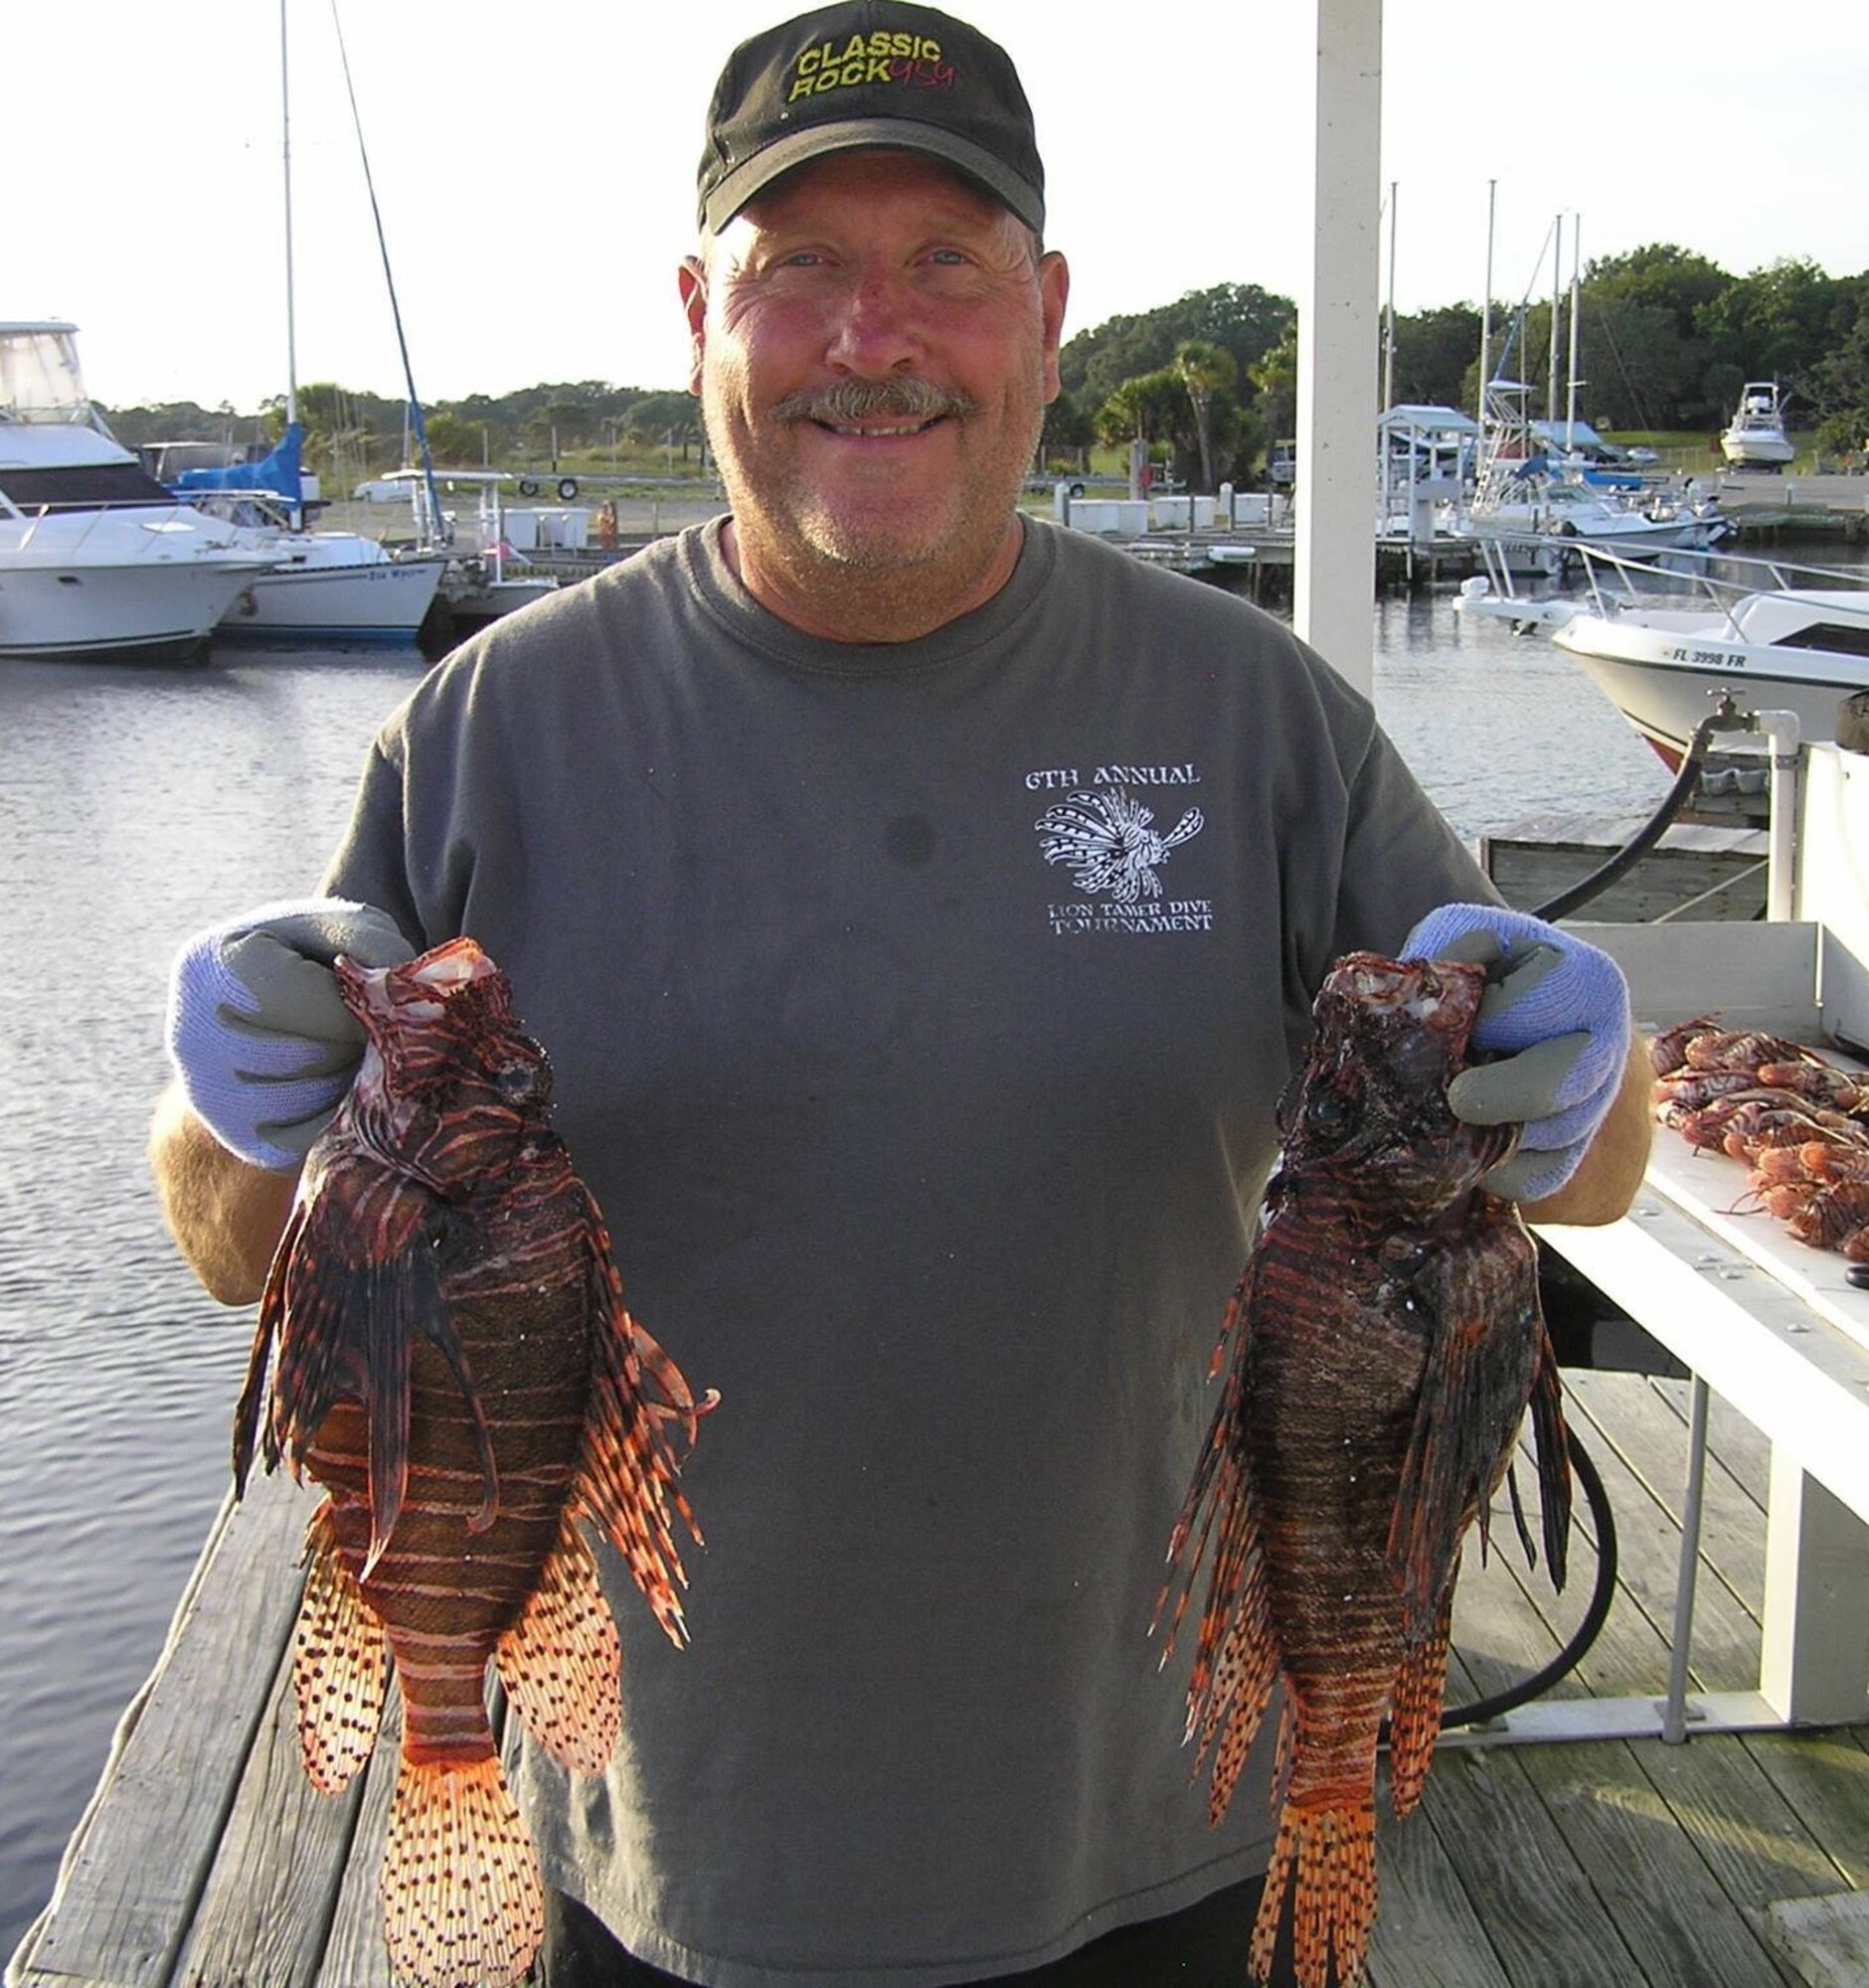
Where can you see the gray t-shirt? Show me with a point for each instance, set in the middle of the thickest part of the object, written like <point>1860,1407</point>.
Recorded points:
<point>919,1016</point>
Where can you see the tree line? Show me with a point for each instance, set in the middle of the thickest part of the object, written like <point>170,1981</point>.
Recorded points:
<point>1665,340</point>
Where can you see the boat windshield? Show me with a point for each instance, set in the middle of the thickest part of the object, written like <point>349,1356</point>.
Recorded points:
<point>91,486</point>
<point>39,376</point>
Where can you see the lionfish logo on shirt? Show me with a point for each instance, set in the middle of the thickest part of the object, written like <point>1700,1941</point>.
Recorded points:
<point>1107,839</point>
<point>905,61</point>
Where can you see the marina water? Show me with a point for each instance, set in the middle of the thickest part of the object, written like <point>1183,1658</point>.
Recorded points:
<point>138,805</point>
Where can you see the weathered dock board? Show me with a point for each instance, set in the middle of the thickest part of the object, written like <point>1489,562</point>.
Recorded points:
<point>1732,1860</point>
<point>1698,870</point>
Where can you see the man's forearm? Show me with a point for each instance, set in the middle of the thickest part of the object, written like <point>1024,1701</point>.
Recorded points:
<point>1606,1181</point>
<point>225,1215</point>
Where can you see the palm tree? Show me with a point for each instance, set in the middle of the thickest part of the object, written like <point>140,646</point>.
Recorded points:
<point>1141,410</point>
<point>1203,368</point>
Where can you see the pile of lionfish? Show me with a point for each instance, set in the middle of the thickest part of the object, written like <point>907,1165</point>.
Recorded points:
<point>1797,1122</point>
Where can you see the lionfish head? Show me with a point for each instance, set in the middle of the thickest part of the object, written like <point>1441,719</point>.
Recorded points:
<point>1391,1035</point>
<point>441,1041</point>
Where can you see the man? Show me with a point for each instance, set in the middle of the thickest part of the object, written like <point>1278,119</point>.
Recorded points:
<point>923,908</point>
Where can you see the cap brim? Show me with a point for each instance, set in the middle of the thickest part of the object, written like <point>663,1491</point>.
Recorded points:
<point>892,134</point>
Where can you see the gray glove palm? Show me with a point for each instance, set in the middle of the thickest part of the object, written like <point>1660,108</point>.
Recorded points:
<point>256,1030</point>
<point>1556,1017</point>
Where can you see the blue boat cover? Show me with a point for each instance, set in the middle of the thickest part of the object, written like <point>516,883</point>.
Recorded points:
<point>277,474</point>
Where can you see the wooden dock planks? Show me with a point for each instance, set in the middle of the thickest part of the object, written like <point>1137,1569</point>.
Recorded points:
<point>1732,1861</point>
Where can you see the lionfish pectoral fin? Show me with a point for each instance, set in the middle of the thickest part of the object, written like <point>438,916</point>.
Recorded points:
<point>355,1263</point>
<point>561,1661</point>
<point>434,1325</point>
<point>1481,1358</point>
<point>461,1896</point>
<point>1415,1711</point>
<point>340,1665</point>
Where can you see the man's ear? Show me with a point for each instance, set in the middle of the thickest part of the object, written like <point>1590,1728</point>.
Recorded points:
<point>692,278</point>
<point>1053,283</point>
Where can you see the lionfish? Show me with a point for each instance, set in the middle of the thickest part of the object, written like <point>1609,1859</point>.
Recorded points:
<point>1386,1340</point>
<point>443,1346</point>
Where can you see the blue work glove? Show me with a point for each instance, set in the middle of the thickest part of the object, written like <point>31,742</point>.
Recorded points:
<point>1556,1013</point>
<point>259,1034</point>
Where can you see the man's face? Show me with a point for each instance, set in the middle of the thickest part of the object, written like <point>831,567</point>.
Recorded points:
<point>874,346</point>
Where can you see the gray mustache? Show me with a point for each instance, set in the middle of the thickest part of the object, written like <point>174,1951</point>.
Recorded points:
<point>851,400</point>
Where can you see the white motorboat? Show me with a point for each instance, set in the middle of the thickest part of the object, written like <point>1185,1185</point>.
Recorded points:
<point>1532,508</point>
<point>98,561</point>
<point>1663,642</point>
<point>1539,527</point>
<point>1755,439</point>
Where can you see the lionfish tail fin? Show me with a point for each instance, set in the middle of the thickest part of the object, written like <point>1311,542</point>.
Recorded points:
<point>561,1662</point>
<point>1331,1851</point>
<point>340,1666</point>
<point>1415,1712</point>
<point>462,1901</point>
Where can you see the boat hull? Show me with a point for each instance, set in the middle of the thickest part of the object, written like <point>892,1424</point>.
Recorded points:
<point>1531,544</point>
<point>1756,451</point>
<point>382,601</point>
<point>146,613</point>
<point>1666,681</point>
<point>1755,439</point>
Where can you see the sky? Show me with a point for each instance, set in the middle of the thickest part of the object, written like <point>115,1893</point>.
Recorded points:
<point>534,166</point>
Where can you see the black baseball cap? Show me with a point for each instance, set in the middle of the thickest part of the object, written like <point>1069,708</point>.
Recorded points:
<point>869,73</point>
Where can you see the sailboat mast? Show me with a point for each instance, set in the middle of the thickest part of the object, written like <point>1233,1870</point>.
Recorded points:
<point>1485,307</point>
<point>1577,230</point>
<point>1388,344</point>
<point>285,151</point>
<point>436,523</point>
<point>1557,295</point>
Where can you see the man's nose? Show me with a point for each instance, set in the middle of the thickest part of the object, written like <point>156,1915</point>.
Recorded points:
<point>876,331</point>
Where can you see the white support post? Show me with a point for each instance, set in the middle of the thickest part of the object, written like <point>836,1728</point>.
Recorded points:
<point>1815,1664</point>
<point>1335,582</point>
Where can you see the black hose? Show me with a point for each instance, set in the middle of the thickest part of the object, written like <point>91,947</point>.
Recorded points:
<point>1724,719</point>
<point>1587,1631</point>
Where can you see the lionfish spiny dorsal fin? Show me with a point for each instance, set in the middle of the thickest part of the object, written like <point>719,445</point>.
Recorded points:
<point>628,1479</point>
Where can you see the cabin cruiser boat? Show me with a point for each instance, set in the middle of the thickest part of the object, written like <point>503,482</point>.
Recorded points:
<point>1534,506</point>
<point>98,561</point>
<point>1540,525</point>
<point>318,584</point>
<point>1663,641</point>
<point>1755,439</point>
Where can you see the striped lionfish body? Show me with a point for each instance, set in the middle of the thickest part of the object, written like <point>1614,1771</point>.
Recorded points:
<point>449,1357</point>
<point>1386,1340</point>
